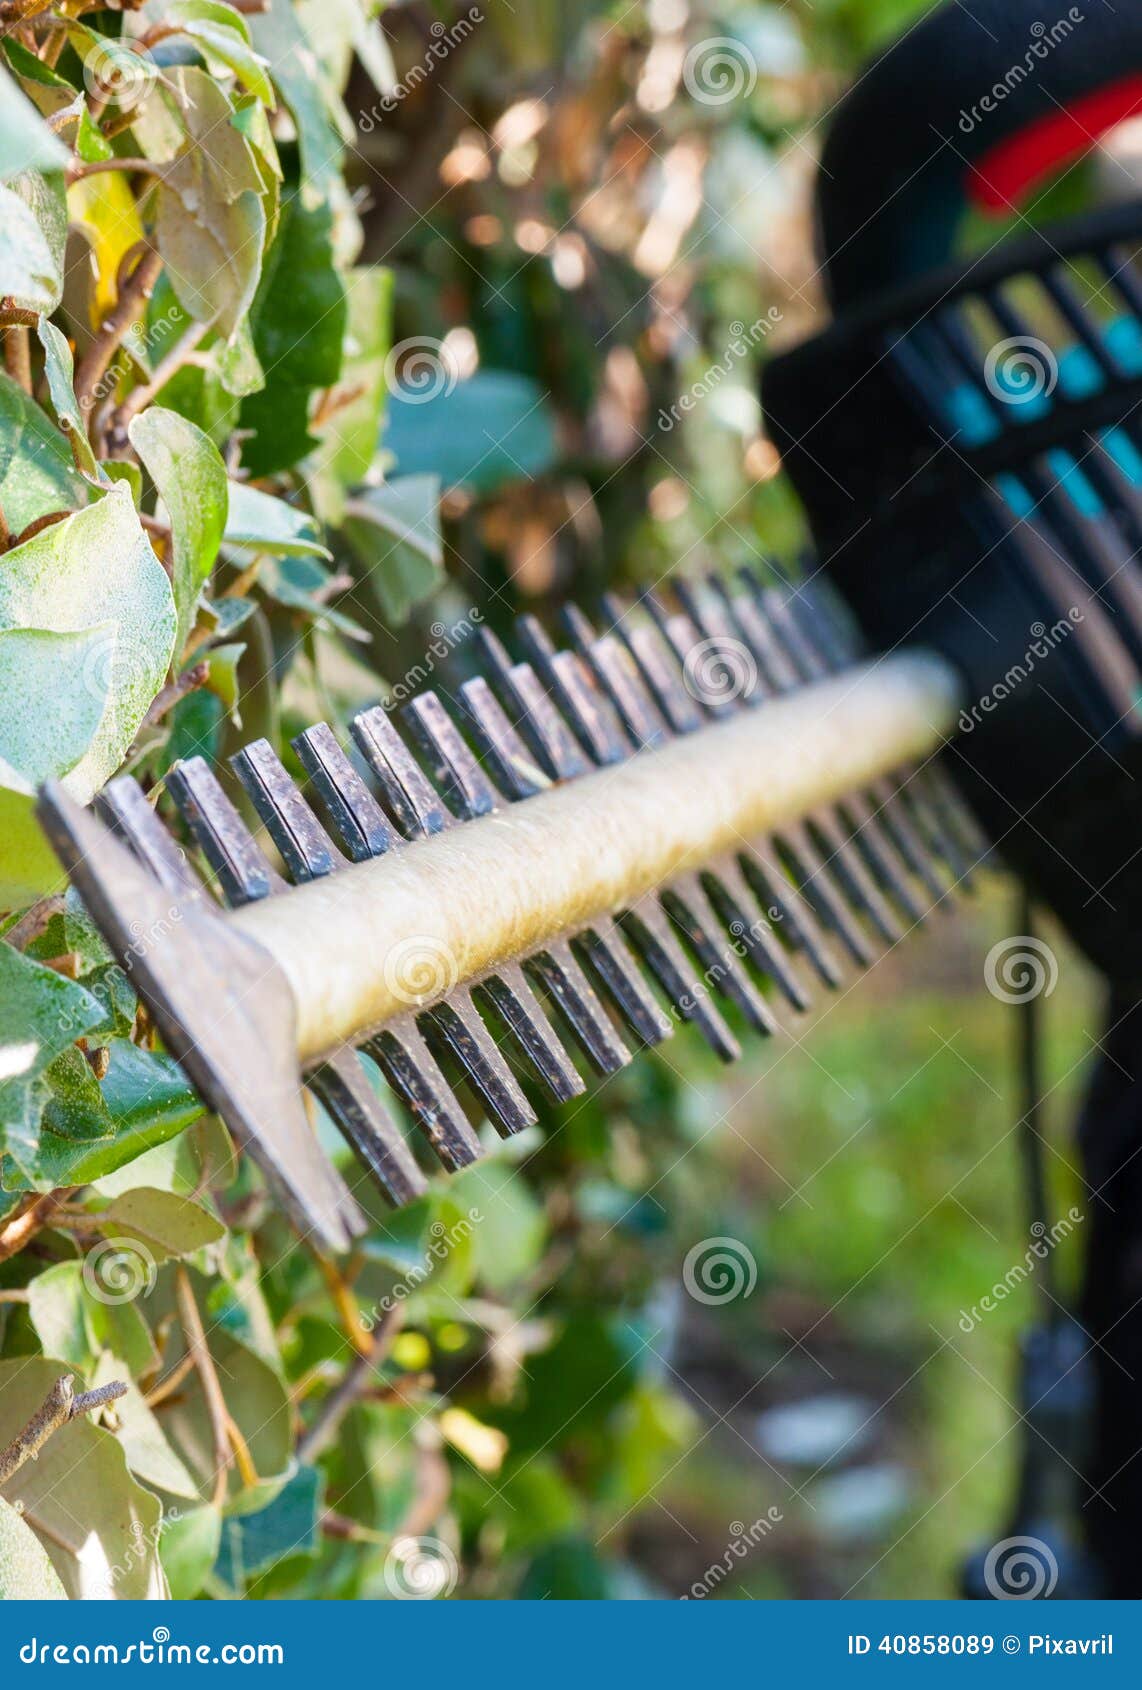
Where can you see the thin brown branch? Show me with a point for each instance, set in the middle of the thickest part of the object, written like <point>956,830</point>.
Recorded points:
<point>165,1388</point>
<point>38,526</point>
<point>134,292</point>
<point>60,1405</point>
<point>143,394</point>
<point>356,1381</point>
<point>80,168</point>
<point>18,355</point>
<point>219,1414</point>
<point>189,681</point>
<point>36,1214</point>
<point>34,921</point>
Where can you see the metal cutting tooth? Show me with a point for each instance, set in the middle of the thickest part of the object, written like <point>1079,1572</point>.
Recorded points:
<point>786,869</point>
<point>234,855</point>
<point>940,812</point>
<point>365,832</point>
<point>732,898</point>
<point>555,967</point>
<point>774,885</point>
<point>309,852</point>
<point>555,964</point>
<point>602,944</point>
<point>883,809</point>
<point>340,1082</point>
<point>778,672</point>
<point>560,757</point>
<point>684,898</point>
<point>849,826</point>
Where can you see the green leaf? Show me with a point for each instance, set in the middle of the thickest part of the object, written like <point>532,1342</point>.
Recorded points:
<point>187,469</point>
<point>60,371</point>
<point>53,692</point>
<point>261,1408</point>
<point>148,1102</point>
<point>280,39</point>
<point>164,1224</point>
<point>296,582</point>
<point>481,433</point>
<point>510,1230</point>
<point>57,1308</point>
<point>394,531</point>
<point>222,677</point>
<point>299,321</point>
<point>211,224</point>
<point>37,472</point>
<point>349,437</point>
<point>96,569</point>
<point>90,142</point>
<point>26,142</point>
<point>43,1014</point>
<point>33,231</point>
<point>26,1571</point>
<point>257,522</point>
<point>288,1526</point>
<point>223,36</point>
<point>149,1456</point>
<point>188,1548</point>
<point>98,1526</point>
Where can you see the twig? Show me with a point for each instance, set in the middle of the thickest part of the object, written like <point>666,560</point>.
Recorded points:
<point>189,681</point>
<point>79,169</point>
<point>211,1388</point>
<point>18,355</point>
<point>143,394</point>
<point>165,1388</point>
<point>338,1403</point>
<point>34,921</point>
<point>346,1305</point>
<point>134,292</point>
<point>35,1215</point>
<point>60,1406</point>
<point>38,526</point>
